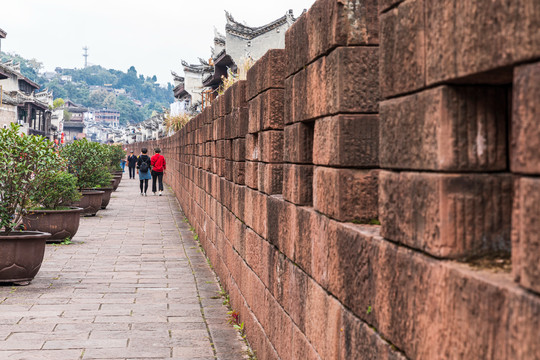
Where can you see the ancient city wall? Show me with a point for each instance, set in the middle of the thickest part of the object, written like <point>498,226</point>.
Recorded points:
<point>420,114</point>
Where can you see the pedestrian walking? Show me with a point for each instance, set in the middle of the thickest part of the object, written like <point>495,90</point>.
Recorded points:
<point>132,163</point>
<point>123,161</point>
<point>143,169</point>
<point>158,167</point>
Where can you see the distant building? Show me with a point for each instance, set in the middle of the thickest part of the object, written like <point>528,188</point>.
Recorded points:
<point>3,35</point>
<point>74,128</point>
<point>109,116</point>
<point>32,110</point>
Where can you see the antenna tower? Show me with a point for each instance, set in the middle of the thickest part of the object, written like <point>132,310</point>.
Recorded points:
<point>85,56</point>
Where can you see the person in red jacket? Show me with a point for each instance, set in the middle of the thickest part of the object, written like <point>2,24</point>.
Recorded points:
<point>158,167</point>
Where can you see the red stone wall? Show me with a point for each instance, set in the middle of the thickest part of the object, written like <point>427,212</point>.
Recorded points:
<point>283,175</point>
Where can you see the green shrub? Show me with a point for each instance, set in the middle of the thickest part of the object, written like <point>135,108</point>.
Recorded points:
<point>58,189</point>
<point>88,161</point>
<point>22,158</point>
<point>115,154</point>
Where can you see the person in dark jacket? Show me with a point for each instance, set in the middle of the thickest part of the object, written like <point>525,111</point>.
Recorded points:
<point>158,167</point>
<point>143,169</point>
<point>132,163</point>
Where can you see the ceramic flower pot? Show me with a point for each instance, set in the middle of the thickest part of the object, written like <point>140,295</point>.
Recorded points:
<point>107,192</point>
<point>21,255</point>
<point>90,202</point>
<point>61,224</point>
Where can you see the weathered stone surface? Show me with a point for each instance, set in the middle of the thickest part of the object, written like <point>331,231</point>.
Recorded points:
<point>270,178</point>
<point>384,5</point>
<point>271,146</point>
<point>447,215</point>
<point>266,111</point>
<point>465,38</point>
<point>347,80</point>
<point>252,174</point>
<point>298,143</point>
<point>252,147</point>
<point>525,142</point>
<point>346,194</point>
<point>298,184</point>
<point>328,24</point>
<point>526,234</point>
<point>347,140</point>
<point>267,73</point>
<point>403,48</point>
<point>448,128</point>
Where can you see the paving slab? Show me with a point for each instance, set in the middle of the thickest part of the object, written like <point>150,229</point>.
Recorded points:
<point>129,287</point>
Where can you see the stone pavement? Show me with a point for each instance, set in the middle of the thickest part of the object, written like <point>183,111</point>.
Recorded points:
<point>133,285</point>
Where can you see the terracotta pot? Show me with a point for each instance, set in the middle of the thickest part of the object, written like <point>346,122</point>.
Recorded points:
<point>90,202</point>
<point>107,191</point>
<point>21,255</point>
<point>60,223</point>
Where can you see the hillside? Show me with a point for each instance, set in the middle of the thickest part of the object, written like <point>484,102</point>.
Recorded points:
<point>134,95</point>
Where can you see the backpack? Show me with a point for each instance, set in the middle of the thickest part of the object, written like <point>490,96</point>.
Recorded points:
<point>144,167</point>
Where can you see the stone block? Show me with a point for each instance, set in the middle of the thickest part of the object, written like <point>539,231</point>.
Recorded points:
<point>329,24</point>
<point>448,128</point>
<point>252,174</point>
<point>346,194</point>
<point>298,143</point>
<point>267,73</point>
<point>239,94</point>
<point>458,45</point>
<point>270,178</point>
<point>403,49</point>
<point>266,111</point>
<point>239,149</point>
<point>347,140</point>
<point>271,146</point>
<point>239,119</point>
<point>281,224</point>
<point>298,184</point>
<point>447,215</point>
<point>346,80</point>
<point>526,233</point>
<point>238,172</point>
<point>525,141</point>
<point>227,149</point>
<point>252,147</point>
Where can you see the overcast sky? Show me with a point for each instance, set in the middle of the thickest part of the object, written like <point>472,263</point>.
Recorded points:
<point>153,35</point>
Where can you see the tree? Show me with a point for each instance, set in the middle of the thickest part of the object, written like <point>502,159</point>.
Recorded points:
<point>67,115</point>
<point>58,103</point>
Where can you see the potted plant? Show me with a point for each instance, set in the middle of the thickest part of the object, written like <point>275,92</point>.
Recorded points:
<point>21,158</point>
<point>53,213</point>
<point>115,154</point>
<point>88,162</point>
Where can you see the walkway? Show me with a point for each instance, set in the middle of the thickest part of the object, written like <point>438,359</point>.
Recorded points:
<point>134,285</point>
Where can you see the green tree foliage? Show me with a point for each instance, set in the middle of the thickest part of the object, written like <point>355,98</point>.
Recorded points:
<point>59,188</point>
<point>22,158</point>
<point>67,115</point>
<point>137,87</point>
<point>59,102</point>
<point>89,162</point>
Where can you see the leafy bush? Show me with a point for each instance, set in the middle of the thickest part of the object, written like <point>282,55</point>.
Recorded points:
<point>115,154</point>
<point>22,158</point>
<point>58,189</point>
<point>88,161</point>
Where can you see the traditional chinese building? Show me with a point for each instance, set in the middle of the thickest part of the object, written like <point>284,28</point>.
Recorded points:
<point>73,126</point>
<point>32,110</point>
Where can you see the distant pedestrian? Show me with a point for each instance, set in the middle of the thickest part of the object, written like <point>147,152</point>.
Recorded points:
<point>158,167</point>
<point>132,163</point>
<point>143,169</point>
<point>123,161</point>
